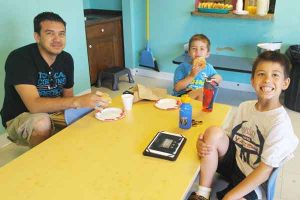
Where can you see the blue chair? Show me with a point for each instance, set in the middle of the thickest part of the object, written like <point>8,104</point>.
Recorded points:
<point>271,184</point>
<point>220,183</point>
<point>72,115</point>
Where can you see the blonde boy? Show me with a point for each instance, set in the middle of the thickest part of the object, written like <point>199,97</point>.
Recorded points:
<point>189,77</point>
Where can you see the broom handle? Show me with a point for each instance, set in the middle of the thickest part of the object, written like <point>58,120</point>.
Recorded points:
<point>147,20</point>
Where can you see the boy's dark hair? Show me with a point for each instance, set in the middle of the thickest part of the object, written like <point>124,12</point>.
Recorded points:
<point>200,37</point>
<point>50,16</point>
<point>275,57</point>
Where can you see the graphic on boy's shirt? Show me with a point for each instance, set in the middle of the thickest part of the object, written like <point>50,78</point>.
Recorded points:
<point>198,82</point>
<point>51,84</point>
<point>249,141</point>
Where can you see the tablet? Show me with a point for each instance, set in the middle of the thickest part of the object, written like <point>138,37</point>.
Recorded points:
<point>165,145</point>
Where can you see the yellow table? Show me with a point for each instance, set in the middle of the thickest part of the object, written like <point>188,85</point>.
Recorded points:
<point>92,159</point>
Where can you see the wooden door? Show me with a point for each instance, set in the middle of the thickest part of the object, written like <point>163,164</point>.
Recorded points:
<point>105,47</point>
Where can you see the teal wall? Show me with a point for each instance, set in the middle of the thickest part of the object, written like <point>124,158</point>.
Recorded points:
<point>134,16</point>
<point>86,4</point>
<point>17,30</point>
<point>171,25</point>
<point>103,4</point>
<point>128,32</point>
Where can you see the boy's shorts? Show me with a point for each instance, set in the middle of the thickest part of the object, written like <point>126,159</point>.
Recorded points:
<point>228,168</point>
<point>19,129</point>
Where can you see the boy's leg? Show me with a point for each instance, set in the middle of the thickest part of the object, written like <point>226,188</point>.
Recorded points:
<point>196,94</point>
<point>219,141</point>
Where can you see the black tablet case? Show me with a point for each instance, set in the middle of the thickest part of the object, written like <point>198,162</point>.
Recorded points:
<point>148,153</point>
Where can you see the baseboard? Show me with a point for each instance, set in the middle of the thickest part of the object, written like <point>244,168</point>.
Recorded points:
<point>237,86</point>
<point>4,141</point>
<point>152,73</point>
<point>169,76</point>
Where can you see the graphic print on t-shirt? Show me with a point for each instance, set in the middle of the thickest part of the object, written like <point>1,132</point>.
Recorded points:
<point>198,82</point>
<point>249,142</point>
<point>51,85</point>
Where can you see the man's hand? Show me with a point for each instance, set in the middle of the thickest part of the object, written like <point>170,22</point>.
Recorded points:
<point>99,100</point>
<point>202,148</point>
<point>36,104</point>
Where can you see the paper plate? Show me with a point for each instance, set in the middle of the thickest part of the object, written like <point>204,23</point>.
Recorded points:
<point>110,114</point>
<point>167,104</point>
<point>242,12</point>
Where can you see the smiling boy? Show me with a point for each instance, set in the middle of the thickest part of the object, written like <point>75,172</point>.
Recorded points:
<point>261,136</point>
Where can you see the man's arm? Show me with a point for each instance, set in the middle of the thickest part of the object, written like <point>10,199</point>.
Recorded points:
<point>36,104</point>
<point>252,181</point>
<point>68,92</point>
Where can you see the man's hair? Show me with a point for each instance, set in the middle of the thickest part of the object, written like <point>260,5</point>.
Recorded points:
<point>44,16</point>
<point>200,37</point>
<point>275,57</point>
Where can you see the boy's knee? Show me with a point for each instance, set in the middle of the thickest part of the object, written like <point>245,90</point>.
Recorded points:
<point>213,134</point>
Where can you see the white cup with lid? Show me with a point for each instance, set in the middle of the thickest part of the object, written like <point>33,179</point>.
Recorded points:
<point>127,101</point>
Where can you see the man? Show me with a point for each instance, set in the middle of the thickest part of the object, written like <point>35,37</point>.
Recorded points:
<point>39,80</point>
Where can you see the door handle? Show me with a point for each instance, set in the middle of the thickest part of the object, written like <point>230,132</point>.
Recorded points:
<point>90,46</point>
<point>102,30</point>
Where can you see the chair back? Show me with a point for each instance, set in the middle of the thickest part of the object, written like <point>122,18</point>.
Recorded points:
<point>72,115</point>
<point>271,185</point>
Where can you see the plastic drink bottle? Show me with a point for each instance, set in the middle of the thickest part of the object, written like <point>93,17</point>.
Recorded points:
<point>209,93</point>
<point>197,4</point>
<point>251,7</point>
<point>262,7</point>
<point>239,5</point>
<point>185,113</point>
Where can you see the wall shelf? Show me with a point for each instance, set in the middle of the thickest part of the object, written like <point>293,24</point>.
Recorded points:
<point>231,15</point>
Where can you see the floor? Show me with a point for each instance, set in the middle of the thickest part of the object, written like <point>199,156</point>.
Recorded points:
<point>288,180</point>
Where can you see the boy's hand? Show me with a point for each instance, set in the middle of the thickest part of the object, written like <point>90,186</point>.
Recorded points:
<point>202,148</point>
<point>199,62</point>
<point>227,197</point>
<point>195,70</point>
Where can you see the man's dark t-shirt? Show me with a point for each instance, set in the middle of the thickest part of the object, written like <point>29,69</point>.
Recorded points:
<point>26,66</point>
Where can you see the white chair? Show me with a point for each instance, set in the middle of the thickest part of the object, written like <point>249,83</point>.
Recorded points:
<point>72,115</point>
